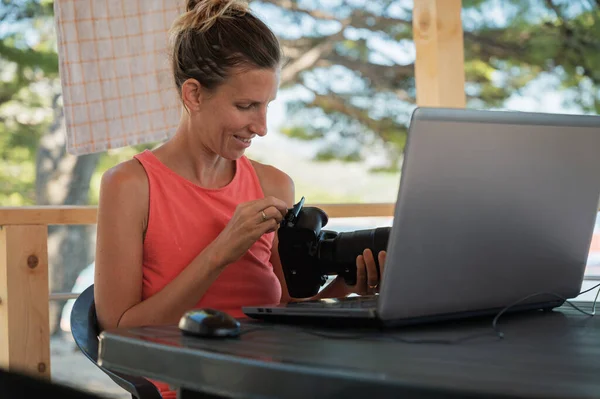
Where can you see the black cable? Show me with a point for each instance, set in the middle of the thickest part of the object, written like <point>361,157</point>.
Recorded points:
<point>439,341</point>
<point>588,290</point>
<point>499,333</point>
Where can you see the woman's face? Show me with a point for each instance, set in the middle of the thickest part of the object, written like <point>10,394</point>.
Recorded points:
<point>236,112</point>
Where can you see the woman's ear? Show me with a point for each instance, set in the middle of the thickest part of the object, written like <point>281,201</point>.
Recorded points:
<point>191,94</point>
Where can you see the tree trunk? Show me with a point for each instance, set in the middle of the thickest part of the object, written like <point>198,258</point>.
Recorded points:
<point>64,179</point>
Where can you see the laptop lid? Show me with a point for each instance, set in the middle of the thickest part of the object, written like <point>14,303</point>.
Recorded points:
<point>492,206</point>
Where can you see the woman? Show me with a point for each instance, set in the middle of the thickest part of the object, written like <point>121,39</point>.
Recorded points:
<point>193,223</point>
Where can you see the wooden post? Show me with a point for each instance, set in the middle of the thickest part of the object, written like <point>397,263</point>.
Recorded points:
<point>24,322</point>
<point>439,64</point>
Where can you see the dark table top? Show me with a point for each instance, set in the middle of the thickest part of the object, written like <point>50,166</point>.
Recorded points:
<point>543,355</point>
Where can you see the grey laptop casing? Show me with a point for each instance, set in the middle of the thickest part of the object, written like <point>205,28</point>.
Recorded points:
<point>492,206</point>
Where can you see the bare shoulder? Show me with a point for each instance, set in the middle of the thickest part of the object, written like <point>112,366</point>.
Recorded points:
<point>124,188</point>
<point>127,176</point>
<point>274,182</point>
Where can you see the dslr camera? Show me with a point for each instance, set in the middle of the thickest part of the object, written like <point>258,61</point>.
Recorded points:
<point>309,254</point>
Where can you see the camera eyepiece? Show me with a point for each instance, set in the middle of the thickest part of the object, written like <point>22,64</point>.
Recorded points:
<point>292,215</point>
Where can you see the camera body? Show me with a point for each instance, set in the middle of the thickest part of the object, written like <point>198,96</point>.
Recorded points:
<point>309,254</point>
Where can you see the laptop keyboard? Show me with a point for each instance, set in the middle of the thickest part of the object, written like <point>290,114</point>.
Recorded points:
<point>360,302</point>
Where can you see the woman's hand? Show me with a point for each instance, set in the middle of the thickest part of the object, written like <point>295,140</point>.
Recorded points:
<point>367,278</point>
<point>249,222</point>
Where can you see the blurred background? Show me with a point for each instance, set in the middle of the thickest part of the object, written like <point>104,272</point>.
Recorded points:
<point>338,127</point>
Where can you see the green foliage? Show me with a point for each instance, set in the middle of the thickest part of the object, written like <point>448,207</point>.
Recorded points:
<point>334,153</point>
<point>305,133</point>
<point>17,165</point>
<point>557,37</point>
<point>28,73</point>
<point>508,45</point>
<point>46,60</point>
<point>17,169</point>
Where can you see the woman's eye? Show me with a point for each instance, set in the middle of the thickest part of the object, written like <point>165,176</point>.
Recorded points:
<point>244,107</point>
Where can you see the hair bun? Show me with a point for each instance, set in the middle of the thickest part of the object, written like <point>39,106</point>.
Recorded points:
<point>215,6</point>
<point>191,4</point>
<point>202,14</point>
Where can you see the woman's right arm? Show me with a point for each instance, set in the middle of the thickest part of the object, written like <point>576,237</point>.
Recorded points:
<point>122,217</point>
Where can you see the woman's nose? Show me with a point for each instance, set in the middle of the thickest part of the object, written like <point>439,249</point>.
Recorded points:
<point>259,126</point>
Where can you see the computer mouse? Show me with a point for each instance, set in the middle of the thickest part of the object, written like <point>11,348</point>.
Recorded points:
<point>209,323</point>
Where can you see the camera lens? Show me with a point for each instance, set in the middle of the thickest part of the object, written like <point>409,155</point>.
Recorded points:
<point>338,252</point>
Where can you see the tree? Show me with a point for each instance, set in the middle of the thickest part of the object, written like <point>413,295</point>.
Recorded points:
<point>25,70</point>
<point>359,88</point>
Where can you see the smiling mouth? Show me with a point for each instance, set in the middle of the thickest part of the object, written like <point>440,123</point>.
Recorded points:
<point>243,139</point>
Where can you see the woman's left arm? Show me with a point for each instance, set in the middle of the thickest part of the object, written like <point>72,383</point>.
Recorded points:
<point>279,185</point>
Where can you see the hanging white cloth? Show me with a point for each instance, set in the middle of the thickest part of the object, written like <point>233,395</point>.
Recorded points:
<point>116,79</point>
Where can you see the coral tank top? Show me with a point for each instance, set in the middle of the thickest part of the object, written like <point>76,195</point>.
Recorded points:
<point>184,218</point>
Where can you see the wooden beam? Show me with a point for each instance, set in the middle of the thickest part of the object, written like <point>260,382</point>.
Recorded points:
<point>73,215</point>
<point>24,321</point>
<point>439,64</point>
<point>36,215</point>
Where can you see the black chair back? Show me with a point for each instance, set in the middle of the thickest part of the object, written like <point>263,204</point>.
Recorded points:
<point>84,327</point>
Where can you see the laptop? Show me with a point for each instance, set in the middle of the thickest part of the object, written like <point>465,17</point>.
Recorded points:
<point>492,206</point>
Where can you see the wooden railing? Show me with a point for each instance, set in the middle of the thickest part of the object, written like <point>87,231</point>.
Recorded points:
<point>24,292</point>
